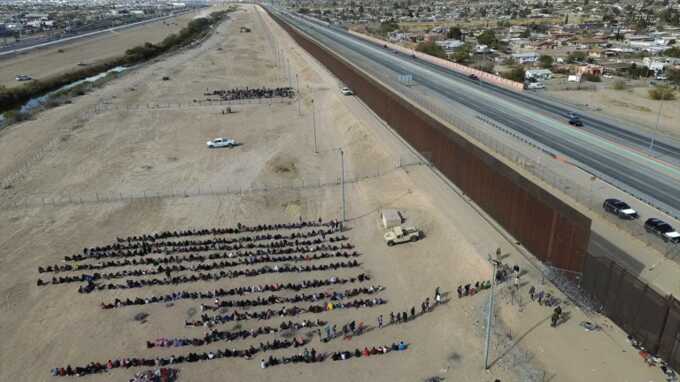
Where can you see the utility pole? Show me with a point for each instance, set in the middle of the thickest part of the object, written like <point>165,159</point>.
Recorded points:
<point>316,148</point>
<point>658,117</point>
<point>342,182</point>
<point>489,317</point>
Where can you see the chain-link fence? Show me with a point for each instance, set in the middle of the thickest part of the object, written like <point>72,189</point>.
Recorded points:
<point>93,197</point>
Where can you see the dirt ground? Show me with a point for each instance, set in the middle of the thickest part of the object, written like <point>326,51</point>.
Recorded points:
<point>57,59</point>
<point>631,105</point>
<point>155,159</point>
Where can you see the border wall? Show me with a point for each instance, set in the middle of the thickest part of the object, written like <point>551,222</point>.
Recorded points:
<point>637,308</point>
<point>553,231</point>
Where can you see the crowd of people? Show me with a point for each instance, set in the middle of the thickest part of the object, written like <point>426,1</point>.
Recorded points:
<point>199,276</point>
<point>284,311</point>
<point>472,289</point>
<point>250,93</point>
<point>97,367</point>
<point>543,298</point>
<point>312,356</point>
<point>238,291</point>
<point>177,257</point>
<point>162,374</point>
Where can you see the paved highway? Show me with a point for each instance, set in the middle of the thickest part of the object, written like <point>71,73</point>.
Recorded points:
<point>540,120</point>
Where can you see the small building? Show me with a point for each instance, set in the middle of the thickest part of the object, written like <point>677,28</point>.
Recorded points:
<point>593,70</point>
<point>390,218</point>
<point>538,74</point>
<point>525,58</point>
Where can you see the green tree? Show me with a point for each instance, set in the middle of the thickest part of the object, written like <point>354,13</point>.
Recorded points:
<point>577,56</point>
<point>454,33</point>
<point>432,49</point>
<point>462,55</point>
<point>488,37</point>
<point>546,61</point>
<point>388,26</point>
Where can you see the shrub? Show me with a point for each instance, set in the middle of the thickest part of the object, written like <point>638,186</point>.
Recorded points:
<point>515,74</point>
<point>662,93</point>
<point>432,49</point>
<point>591,77</point>
<point>619,85</point>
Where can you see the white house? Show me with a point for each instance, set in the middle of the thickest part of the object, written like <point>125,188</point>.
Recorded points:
<point>526,58</point>
<point>538,74</point>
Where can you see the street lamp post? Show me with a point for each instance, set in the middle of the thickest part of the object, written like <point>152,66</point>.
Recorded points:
<point>316,148</point>
<point>658,118</point>
<point>342,182</point>
<point>489,316</point>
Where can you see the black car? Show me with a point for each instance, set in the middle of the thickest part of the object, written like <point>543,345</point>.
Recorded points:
<point>662,229</point>
<point>473,77</point>
<point>574,120</point>
<point>620,209</point>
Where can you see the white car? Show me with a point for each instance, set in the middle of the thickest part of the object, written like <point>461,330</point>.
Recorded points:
<point>535,85</point>
<point>346,91</point>
<point>23,77</point>
<point>220,142</point>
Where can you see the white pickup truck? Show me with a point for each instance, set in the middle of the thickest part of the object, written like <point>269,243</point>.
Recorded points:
<point>220,142</point>
<point>402,235</point>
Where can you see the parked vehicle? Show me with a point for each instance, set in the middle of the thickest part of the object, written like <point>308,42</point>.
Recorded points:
<point>346,91</point>
<point>220,142</point>
<point>473,77</point>
<point>23,77</point>
<point>535,85</point>
<point>620,209</point>
<point>400,234</point>
<point>663,230</point>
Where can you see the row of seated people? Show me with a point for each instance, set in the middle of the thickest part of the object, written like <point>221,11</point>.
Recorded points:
<point>238,291</point>
<point>312,356</point>
<point>102,367</point>
<point>304,297</point>
<point>274,299</point>
<point>140,256</point>
<point>199,276</point>
<point>251,93</point>
<point>208,266</point>
<point>285,311</point>
<point>239,228</point>
<point>248,256</point>
<point>225,335</point>
<point>215,244</point>
<point>162,374</point>
<point>472,289</point>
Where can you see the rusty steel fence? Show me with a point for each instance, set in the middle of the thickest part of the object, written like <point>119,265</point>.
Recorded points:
<point>553,231</point>
<point>642,312</point>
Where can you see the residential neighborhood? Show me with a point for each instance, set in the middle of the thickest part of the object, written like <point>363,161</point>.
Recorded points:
<point>582,41</point>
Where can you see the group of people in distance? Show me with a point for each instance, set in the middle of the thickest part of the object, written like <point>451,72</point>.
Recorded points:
<point>176,257</point>
<point>239,291</point>
<point>312,356</point>
<point>126,363</point>
<point>250,93</point>
<point>472,289</point>
<point>284,311</point>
